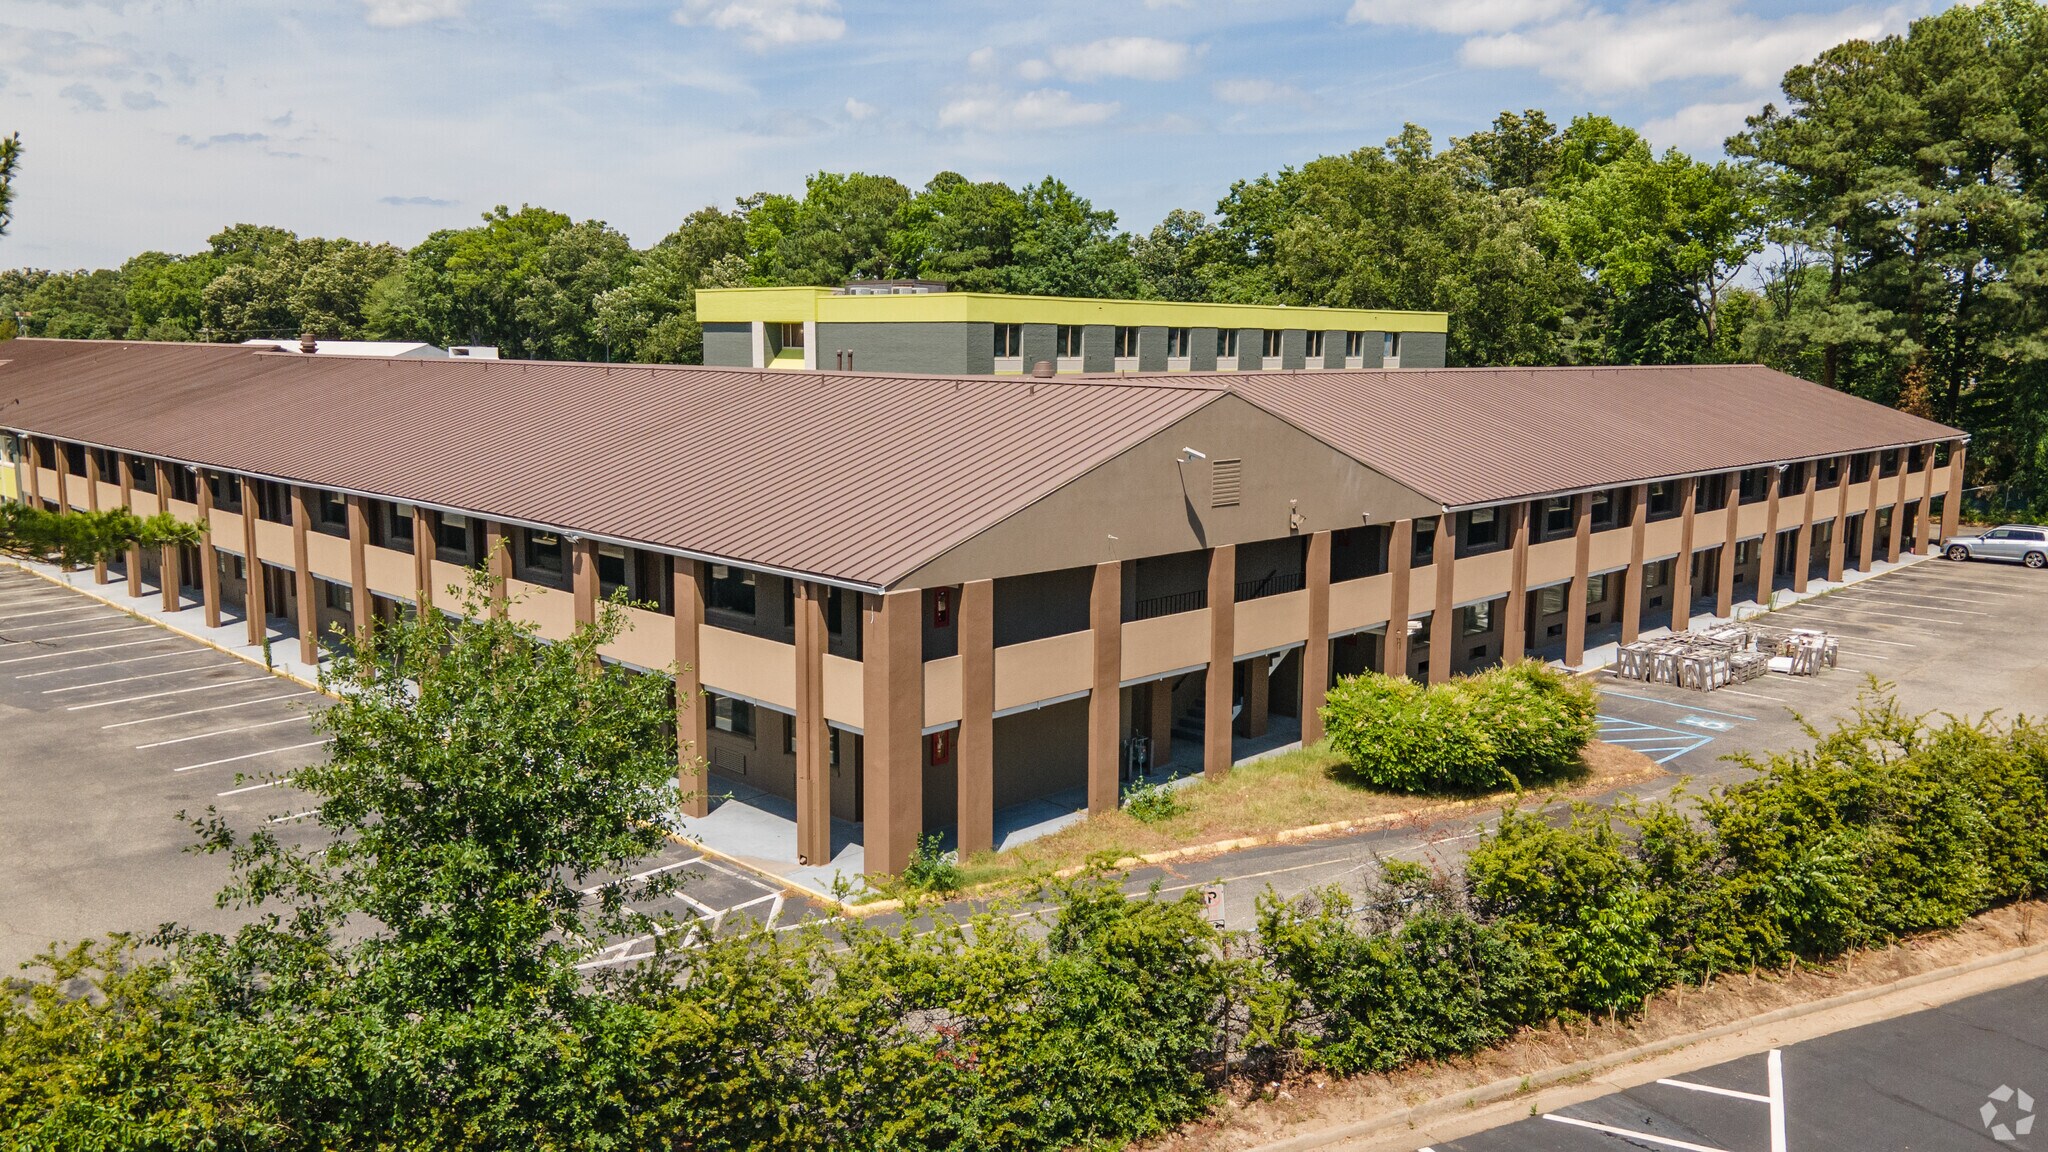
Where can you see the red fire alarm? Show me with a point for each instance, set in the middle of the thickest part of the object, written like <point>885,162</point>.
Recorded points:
<point>942,608</point>
<point>942,747</point>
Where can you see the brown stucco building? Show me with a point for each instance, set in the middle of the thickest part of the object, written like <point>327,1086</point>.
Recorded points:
<point>907,601</point>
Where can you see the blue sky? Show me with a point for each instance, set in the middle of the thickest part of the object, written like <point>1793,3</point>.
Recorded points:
<point>151,123</point>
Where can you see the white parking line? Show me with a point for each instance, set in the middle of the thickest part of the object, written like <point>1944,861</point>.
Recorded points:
<point>1862,600</point>
<point>251,755</point>
<point>1754,695</point>
<point>255,787</point>
<point>82,651</point>
<point>1892,615</point>
<point>111,616</point>
<point>51,612</point>
<point>171,692</point>
<point>111,663</point>
<point>1692,1087</point>
<point>220,732</point>
<point>293,816</point>
<point>131,679</point>
<point>1626,1134</point>
<point>215,708</point>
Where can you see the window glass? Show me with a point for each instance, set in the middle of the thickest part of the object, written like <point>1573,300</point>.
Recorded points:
<point>1603,510</point>
<point>1176,342</point>
<point>333,510</point>
<point>1126,341</point>
<point>730,715</point>
<point>1068,339</point>
<point>731,589</point>
<point>1270,343</point>
<point>1557,516</point>
<point>1315,346</point>
<point>1596,589</point>
<point>1482,526</point>
<point>1550,601</point>
<point>612,563</point>
<point>1226,342</point>
<point>451,533</point>
<point>1009,340</point>
<point>1478,618</point>
<point>546,552</point>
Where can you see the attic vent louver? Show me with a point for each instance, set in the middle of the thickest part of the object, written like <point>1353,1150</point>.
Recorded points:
<point>1226,483</point>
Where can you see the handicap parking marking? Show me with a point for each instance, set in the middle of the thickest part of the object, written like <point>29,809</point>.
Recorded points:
<point>1680,707</point>
<point>1662,745</point>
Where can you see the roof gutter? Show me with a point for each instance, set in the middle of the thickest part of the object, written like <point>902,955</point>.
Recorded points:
<point>578,533</point>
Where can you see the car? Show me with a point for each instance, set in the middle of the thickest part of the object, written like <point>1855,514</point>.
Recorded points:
<point>2026,543</point>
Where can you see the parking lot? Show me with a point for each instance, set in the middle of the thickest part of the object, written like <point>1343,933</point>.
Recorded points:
<point>115,725</point>
<point>1971,1074</point>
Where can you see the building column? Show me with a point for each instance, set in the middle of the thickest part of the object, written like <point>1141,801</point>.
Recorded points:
<point>1315,653</point>
<point>169,566</point>
<point>1443,629</point>
<point>1866,548</point>
<point>1952,503</point>
<point>1582,563</point>
<point>1838,538</point>
<point>692,774</point>
<point>35,470</point>
<point>92,502</point>
<point>359,567</point>
<point>302,579</point>
<point>498,559</point>
<point>1930,532</point>
<point>1632,583</point>
<point>1222,660</point>
<point>1893,544</point>
<point>1803,543</point>
<point>1105,698</point>
<point>813,740</point>
<point>583,578</point>
<point>1159,697</point>
<point>975,751</point>
<point>209,559</point>
<point>1681,564</point>
<point>62,461</point>
<point>126,465</point>
<point>423,559</point>
<point>1514,634</point>
<point>253,591</point>
<point>892,683</point>
<point>1724,595</point>
<point>1767,548</point>
<point>1400,560</point>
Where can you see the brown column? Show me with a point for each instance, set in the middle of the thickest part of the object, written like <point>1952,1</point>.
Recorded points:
<point>1681,564</point>
<point>1159,694</point>
<point>1952,503</point>
<point>1315,652</point>
<point>1258,696</point>
<point>1222,660</point>
<point>1866,548</point>
<point>1105,699</point>
<point>92,502</point>
<point>1892,546</point>
<point>1514,632</point>
<point>253,606</point>
<point>1632,583</point>
<point>359,566</point>
<point>168,562</point>
<point>691,724</point>
<point>1838,537</point>
<point>62,462</point>
<point>975,751</point>
<point>302,578</point>
<point>892,742</point>
<point>1443,628</point>
<point>1802,546</point>
<point>813,742</point>
<point>498,558</point>
<point>1400,557</point>
<point>1930,532</point>
<point>35,471</point>
<point>1575,607</point>
<point>1724,595</point>
<point>209,559</point>
<point>583,579</point>
<point>126,464</point>
<point>423,559</point>
<point>1767,548</point>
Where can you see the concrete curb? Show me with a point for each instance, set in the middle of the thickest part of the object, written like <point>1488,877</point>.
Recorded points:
<point>1500,1090</point>
<point>832,904</point>
<point>88,593</point>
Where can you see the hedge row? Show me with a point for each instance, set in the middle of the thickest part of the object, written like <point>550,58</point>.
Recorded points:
<point>1504,728</point>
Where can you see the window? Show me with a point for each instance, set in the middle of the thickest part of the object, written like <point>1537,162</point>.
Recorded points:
<point>397,525</point>
<point>340,597</point>
<point>1605,510</point>
<point>1067,339</point>
<point>792,335</point>
<point>1476,619</point>
<point>330,513</point>
<point>1713,492</point>
<point>1126,342</point>
<point>1226,343</point>
<point>1830,472</point>
<point>1269,345</point>
<point>1550,601</point>
<point>1596,589</point>
<point>544,553</point>
<point>1888,464</point>
<point>1756,485</point>
<point>1009,341</point>
<point>1482,527</point>
<point>730,715</point>
<point>1176,343</point>
<point>1315,346</point>
<point>1859,468</point>
<point>613,562</point>
<point>1663,499</point>
<point>1557,516</point>
<point>1424,552</point>
<point>452,537</point>
<point>1390,346</point>
<point>1354,345</point>
<point>273,502</point>
<point>74,460</point>
<point>1657,575</point>
<point>226,490</point>
<point>1791,480</point>
<point>143,473</point>
<point>730,589</point>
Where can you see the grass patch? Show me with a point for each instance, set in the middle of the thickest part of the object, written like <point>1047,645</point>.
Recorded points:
<point>1296,789</point>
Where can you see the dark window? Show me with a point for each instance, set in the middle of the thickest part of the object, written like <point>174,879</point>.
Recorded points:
<point>74,459</point>
<point>544,556</point>
<point>730,715</point>
<point>1663,500</point>
<point>1009,341</point>
<point>1354,345</point>
<point>330,513</point>
<point>613,562</point>
<point>143,473</point>
<point>730,589</point>
<point>1126,341</point>
<point>1830,471</point>
<point>1557,517</point>
<point>226,490</point>
<point>394,526</point>
<point>1482,527</point>
<point>340,597</point>
<point>1067,340</point>
<point>273,502</point>
<point>1917,458</point>
<point>1791,480</point>
<point>1859,468</point>
<point>1425,543</point>
<point>1888,464</point>
<point>1226,343</point>
<point>1756,485</point>
<point>1269,343</point>
<point>1606,510</point>
<point>184,484</point>
<point>1315,346</point>
<point>1713,492</point>
<point>452,538</point>
<point>1176,343</point>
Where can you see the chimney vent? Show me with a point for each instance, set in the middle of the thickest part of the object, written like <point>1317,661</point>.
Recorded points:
<point>1042,369</point>
<point>308,343</point>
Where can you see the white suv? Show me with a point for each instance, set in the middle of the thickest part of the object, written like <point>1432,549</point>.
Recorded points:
<point>2026,543</point>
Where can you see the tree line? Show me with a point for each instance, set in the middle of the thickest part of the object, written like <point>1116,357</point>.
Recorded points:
<point>1880,230</point>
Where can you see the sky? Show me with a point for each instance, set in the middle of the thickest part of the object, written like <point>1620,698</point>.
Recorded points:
<point>150,124</point>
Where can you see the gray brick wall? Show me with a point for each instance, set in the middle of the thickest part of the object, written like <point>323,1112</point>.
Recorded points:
<point>1374,354</point>
<point>1294,348</point>
<point>1038,342</point>
<point>1333,348</point>
<point>924,347</point>
<point>1202,349</point>
<point>1251,344</point>
<point>1098,348</point>
<point>1422,349</point>
<point>729,344</point>
<point>1152,349</point>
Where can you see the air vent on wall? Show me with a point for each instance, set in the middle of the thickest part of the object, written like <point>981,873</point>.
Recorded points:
<point>1226,483</point>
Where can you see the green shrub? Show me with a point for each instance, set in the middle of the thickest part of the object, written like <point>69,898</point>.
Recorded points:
<point>1504,728</point>
<point>76,538</point>
<point>932,868</point>
<point>1151,803</point>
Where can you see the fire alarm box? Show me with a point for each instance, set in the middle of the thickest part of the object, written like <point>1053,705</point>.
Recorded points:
<point>942,608</point>
<point>942,747</point>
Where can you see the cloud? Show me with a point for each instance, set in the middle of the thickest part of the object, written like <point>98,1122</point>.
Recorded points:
<point>1157,5</point>
<point>982,59</point>
<point>1040,110</point>
<point>52,52</point>
<point>857,109</point>
<point>1702,127</point>
<point>140,101</point>
<point>1126,57</point>
<point>84,97</point>
<point>406,13</point>
<point>767,23</point>
<point>260,141</point>
<point>417,202</point>
<point>1248,90</point>
<point>1458,16</point>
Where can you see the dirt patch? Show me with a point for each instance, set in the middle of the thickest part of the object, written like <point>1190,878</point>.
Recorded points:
<point>1256,1114</point>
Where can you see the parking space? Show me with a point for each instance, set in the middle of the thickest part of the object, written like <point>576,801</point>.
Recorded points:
<point>115,725</point>
<point>1963,638</point>
<point>1970,1074</point>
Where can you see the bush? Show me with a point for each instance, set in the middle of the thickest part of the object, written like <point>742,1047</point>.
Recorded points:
<point>931,867</point>
<point>1504,728</point>
<point>1151,803</point>
<point>75,539</point>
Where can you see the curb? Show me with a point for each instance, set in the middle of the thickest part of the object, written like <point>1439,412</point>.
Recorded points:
<point>782,883</point>
<point>1501,1090</point>
<point>88,593</point>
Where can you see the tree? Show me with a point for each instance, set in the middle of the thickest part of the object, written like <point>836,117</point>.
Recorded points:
<point>652,317</point>
<point>10,159</point>
<point>1065,246</point>
<point>960,231</point>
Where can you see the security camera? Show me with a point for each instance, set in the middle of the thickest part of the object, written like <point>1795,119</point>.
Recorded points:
<point>1187,454</point>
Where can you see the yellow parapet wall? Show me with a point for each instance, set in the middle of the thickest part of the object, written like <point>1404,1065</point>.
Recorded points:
<point>824,305</point>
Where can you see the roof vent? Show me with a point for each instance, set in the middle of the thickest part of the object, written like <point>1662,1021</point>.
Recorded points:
<point>1043,369</point>
<point>308,343</point>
